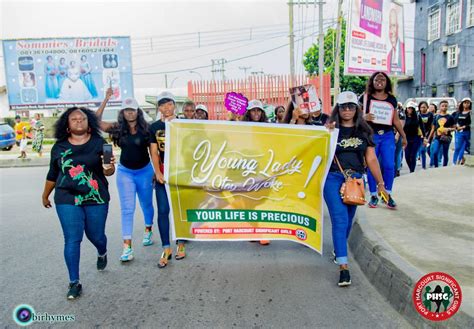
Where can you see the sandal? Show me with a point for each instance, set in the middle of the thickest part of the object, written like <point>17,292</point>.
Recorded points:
<point>165,257</point>
<point>180,251</point>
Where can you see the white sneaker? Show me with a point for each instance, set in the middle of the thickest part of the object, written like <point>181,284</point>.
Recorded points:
<point>127,253</point>
<point>147,241</point>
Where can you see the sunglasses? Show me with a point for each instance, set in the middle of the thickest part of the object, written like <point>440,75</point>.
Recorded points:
<point>347,107</point>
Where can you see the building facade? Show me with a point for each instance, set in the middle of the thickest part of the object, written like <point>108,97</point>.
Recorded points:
<point>443,51</point>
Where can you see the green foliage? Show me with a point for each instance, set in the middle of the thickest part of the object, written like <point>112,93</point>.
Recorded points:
<point>311,58</point>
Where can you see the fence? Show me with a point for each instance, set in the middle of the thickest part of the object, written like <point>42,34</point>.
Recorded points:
<point>270,90</point>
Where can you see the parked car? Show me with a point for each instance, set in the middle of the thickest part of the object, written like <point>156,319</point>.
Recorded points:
<point>7,137</point>
<point>452,103</point>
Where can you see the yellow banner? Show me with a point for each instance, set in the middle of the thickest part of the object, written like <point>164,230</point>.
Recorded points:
<point>247,181</point>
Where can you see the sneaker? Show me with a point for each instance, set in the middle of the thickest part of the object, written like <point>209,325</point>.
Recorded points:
<point>101,262</point>
<point>344,278</point>
<point>334,256</point>
<point>147,241</point>
<point>391,204</point>
<point>127,254</point>
<point>75,290</point>
<point>264,242</point>
<point>373,201</point>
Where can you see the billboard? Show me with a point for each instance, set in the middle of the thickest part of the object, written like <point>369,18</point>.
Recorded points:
<point>375,38</point>
<point>64,72</point>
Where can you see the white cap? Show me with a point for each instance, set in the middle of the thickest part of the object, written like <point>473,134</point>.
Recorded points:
<point>466,99</point>
<point>255,104</point>
<point>202,107</point>
<point>165,95</point>
<point>347,97</point>
<point>130,103</point>
<point>411,104</point>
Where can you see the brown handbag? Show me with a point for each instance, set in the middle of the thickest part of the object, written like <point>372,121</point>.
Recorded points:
<point>352,190</point>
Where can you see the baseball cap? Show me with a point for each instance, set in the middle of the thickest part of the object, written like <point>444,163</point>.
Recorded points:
<point>130,103</point>
<point>466,99</point>
<point>255,104</point>
<point>202,107</point>
<point>411,104</point>
<point>165,95</point>
<point>347,97</point>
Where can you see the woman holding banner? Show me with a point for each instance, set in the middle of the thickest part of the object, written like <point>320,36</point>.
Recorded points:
<point>355,148</point>
<point>379,106</point>
<point>134,171</point>
<point>166,105</point>
<point>255,113</point>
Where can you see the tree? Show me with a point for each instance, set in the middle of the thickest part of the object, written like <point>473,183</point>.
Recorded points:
<point>311,58</point>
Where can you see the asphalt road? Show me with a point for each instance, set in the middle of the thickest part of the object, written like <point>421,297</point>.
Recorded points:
<point>219,284</point>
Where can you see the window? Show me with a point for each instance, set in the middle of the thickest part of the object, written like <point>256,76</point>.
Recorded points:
<point>453,16</point>
<point>452,56</point>
<point>470,13</point>
<point>433,25</point>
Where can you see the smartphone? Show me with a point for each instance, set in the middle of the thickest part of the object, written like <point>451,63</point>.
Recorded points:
<point>107,150</point>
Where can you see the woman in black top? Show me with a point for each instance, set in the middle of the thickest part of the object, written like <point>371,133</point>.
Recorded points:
<point>414,132</point>
<point>355,148</point>
<point>134,172</point>
<point>462,119</point>
<point>427,119</point>
<point>379,106</point>
<point>441,131</point>
<point>77,174</point>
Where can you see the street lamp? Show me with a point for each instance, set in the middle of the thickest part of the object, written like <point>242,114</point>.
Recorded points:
<point>171,85</point>
<point>200,76</point>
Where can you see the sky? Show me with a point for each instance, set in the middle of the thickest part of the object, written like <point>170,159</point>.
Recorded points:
<point>176,37</point>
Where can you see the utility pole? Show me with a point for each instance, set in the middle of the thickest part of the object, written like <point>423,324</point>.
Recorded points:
<point>245,68</point>
<point>320,3</point>
<point>218,66</point>
<point>338,49</point>
<point>292,43</point>
<point>255,73</point>
<point>321,51</point>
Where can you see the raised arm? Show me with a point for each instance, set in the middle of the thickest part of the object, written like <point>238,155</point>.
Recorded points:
<point>105,126</point>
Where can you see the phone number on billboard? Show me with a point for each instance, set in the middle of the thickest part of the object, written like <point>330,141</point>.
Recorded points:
<point>64,51</point>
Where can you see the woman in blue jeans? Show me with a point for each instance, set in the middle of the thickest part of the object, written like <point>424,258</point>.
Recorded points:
<point>134,172</point>
<point>355,148</point>
<point>77,174</point>
<point>462,119</point>
<point>441,131</point>
<point>166,106</point>
<point>379,107</point>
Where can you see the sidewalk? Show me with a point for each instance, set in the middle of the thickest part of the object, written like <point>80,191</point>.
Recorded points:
<point>431,231</point>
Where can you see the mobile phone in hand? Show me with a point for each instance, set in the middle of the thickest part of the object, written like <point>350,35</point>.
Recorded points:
<point>107,150</point>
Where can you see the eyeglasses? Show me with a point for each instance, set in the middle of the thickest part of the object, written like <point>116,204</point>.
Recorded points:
<point>348,107</point>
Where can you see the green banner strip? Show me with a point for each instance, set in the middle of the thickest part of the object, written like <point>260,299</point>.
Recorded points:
<point>238,215</point>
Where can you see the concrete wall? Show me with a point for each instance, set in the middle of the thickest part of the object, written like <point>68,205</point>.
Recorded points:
<point>436,71</point>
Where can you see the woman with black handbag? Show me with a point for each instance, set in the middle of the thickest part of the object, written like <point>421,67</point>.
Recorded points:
<point>355,149</point>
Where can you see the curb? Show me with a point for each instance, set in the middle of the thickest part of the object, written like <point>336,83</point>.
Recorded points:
<point>392,276</point>
<point>28,162</point>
